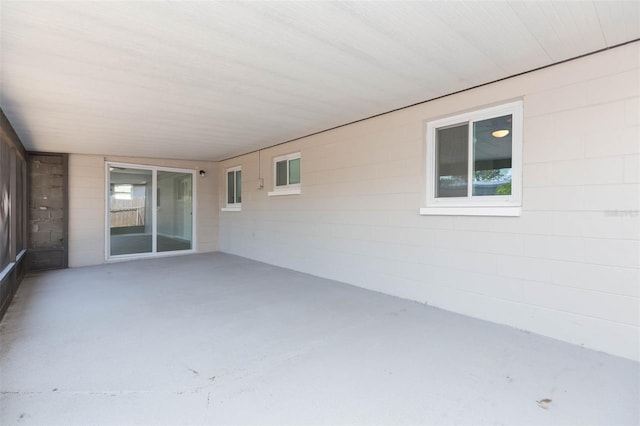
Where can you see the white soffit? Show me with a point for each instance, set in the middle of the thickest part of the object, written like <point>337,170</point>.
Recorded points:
<point>210,80</point>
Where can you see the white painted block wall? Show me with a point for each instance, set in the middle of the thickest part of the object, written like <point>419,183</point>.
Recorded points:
<point>86,210</point>
<point>567,268</point>
<point>87,204</point>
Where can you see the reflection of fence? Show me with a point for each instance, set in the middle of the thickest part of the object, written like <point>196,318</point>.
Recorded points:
<point>127,212</point>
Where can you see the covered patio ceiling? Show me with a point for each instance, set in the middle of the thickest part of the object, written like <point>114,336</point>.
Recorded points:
<point>211,80</point>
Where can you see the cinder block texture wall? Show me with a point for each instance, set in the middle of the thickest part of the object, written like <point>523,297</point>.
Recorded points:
<point>87,180</point>
<point>568,267</point>
<point>45,228</point>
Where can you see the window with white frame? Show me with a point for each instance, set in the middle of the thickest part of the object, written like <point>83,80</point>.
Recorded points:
<point>286,175</point>
<point>122,192</point>
<point>234,189</point>
<point>474,163</point>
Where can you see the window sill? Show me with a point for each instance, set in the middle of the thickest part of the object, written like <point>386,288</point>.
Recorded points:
<point>507,211</point>
<point>21,254</point>
<point>231,209</point>
<point>278,192</point>
<point>7,270</point>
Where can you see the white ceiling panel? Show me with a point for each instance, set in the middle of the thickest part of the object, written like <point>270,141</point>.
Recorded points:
<point>500,38</point>
<point>210,80</point>
<point>563,28</point>
<point>618,21</point>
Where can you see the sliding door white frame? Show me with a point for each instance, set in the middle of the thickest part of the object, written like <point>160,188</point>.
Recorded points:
<point>154,212</point>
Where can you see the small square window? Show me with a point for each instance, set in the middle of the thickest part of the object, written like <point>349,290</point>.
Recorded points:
<point>234,189</point>
<point>474,163</point>
<point>286,172</point>
<point>122,191</point>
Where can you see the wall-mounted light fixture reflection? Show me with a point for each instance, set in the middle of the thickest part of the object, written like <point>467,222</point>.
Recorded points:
<point>500,133</point>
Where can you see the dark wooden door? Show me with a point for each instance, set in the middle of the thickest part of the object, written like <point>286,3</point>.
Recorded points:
<point>48,211</point>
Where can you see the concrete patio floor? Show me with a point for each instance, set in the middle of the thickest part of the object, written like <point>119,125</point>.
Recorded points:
<point>219,339</point>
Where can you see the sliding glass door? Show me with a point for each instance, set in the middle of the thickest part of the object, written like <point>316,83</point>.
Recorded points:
<point>149,210</point>
<point>174,210</point>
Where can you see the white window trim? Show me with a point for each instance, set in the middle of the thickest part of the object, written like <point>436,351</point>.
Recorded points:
<point>7,270</point>
<point>496,205</point>
<point>290,189</point>
<point>231,207</point>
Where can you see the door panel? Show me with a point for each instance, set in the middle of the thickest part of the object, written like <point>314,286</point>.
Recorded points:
<point>130,201</point>
<point>175,206</point>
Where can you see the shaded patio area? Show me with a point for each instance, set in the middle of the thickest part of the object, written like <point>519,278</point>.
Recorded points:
<point>219,339</point>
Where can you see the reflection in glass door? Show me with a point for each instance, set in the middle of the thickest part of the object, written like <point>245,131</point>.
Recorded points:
<point>174,211</point>
<point>150,210</point>
<point>130,201</point>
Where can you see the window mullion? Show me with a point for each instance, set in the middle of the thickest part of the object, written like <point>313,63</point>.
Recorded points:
<point>235,190</point>
<point>154,210</point>
<point>235,187</point>
<point>471,148</point>
<point>288,169</point>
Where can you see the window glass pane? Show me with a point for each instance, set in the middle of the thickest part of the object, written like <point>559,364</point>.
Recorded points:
<point>238,186</point>
<point>20,197</point>
<point>174,216</point>
<point>452,151</point>
<point>492,156</point>
<point>281,173</point>
<point>5,206</point>
<point>130,210</point>
<point>123,192</point>
<point>294,171</point>
<point>230,192</point>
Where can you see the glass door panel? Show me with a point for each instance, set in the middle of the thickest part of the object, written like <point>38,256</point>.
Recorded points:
<point>174,211</point>
<point>130,212</point>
